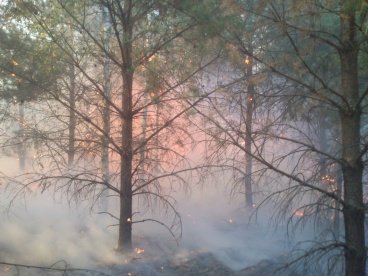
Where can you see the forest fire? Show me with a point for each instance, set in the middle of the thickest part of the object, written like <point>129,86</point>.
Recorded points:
<point>299,213</point>
<point>247,60</point>
<point>142,110</point>
<point>328,179</point>
<point>139,250</point>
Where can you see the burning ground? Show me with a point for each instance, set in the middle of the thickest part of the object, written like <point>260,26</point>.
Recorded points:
<point>216,240</point>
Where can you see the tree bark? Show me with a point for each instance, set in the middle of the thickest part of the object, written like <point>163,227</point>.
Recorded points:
<point>104,198</point>
<point>126,151</point>
<point>21,147</point>
<point>141,175</point>
<point>72,117</point>
<point>337,213</point>
<point>352,168</point>
<point>248,128</point>
<point>322,139</point>
<point>126,156</point>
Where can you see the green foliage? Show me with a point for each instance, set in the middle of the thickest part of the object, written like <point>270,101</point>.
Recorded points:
<point>29,64</point>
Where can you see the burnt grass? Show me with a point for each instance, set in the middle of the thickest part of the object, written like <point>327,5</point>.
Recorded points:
<point>200,263</point>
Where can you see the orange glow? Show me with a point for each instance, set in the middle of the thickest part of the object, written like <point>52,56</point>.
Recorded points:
<point>247,60</point>
<point>328,179</point>
<point>139,250</point>
<point>299,213</point>
<point>152,94</point>
<point>152,57</point>
<point>13,62</point>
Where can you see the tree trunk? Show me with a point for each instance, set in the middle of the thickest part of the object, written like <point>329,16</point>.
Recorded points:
<point>322,137</point>
<point>248,128</point>
<point>353,211</point>
<point>21,147</point>
<point>104,198</point>
<point>352,168</point>
<point>337,213</point>
<point>72,117</point>
<point>141,175</point>
<point>126,155</point>
<point>126,151</point>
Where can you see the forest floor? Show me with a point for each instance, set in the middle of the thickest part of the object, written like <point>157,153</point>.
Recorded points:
<point>200,263</point>
<point>218,255</point>
<point>214,242</point>
<point>225,250</point>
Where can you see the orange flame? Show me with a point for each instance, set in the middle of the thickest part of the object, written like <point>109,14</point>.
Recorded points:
<point>328,179</point>
<point>139,250</point>
<point>299,213</point>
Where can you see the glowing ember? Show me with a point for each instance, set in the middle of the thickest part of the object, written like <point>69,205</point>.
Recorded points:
<point>247,60</point>
<point>139,250</point>
<point>328,179</point>
<point>299,213</point>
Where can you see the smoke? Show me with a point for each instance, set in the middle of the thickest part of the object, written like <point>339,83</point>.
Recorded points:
<point>222,227</point>
<point>217,229</point>
<point>43,229</point>
<point>41,232</point>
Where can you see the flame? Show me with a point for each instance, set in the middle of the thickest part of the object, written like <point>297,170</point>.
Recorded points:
<point>247,60</point>
<point>299,213</point>
<point>153,57</point>
<point>139,250</point>
<point>129,220</point>
<point>328,179</point>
